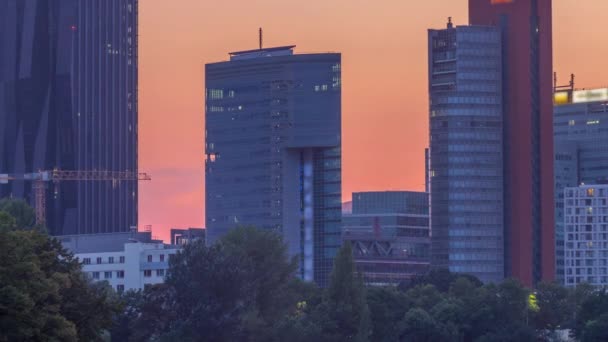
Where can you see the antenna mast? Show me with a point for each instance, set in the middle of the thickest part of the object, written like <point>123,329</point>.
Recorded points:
<point>260,33</point>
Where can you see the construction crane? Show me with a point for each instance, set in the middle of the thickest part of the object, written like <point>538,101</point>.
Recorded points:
<point>56,176</point>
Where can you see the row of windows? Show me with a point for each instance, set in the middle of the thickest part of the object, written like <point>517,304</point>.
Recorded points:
<point>159,273</point>
<point>107,274</point>
<point>100,260</point>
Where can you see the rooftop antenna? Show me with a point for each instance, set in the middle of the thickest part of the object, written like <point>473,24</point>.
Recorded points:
<point>572,81</point>
<point>260,33</point>
<point>450,25</point>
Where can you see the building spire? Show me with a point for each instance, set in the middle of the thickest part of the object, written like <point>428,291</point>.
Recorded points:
<point>450,25</point>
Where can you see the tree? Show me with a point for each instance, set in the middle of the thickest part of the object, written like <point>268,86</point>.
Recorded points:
<point>591,316</point>
<point>554,306</point>
<point>43,293</point>
<point>419,326</point>
<point>237,289</point>
<point>345,302</point>
<point>387,305</point>
<point>24,215</point>
<point>596,330</point>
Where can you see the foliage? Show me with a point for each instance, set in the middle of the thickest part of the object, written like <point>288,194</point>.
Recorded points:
<point>592,317</point>
<point>234,290</point>
<point>345,302</point>
<point>43,293</point>
<point>24,215</point>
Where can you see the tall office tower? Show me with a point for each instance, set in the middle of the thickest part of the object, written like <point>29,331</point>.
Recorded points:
<point>68,100</point>
<point>580,128</point>
<point>586,240</point>
<point>273,150</point>
<point>528,132</point>
<point>389,232</point>
<point>466,153</point>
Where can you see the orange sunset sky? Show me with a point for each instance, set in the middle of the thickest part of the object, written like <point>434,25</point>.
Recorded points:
<point>384,94</point>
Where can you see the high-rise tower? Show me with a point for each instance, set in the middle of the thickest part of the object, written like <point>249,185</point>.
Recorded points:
<point>466,150</point>
<point>68,100</point>
<point>273,159</point>
<point>528,132</point>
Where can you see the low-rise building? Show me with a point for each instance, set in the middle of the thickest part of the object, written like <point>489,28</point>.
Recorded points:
<point>389,234</point>
<point>180,237</point>
<point>127,261</point>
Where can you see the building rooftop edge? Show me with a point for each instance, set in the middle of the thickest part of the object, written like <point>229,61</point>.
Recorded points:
<point>272,49</point>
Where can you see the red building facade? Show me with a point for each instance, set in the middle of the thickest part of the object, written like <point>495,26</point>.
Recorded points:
<point>528,133</point>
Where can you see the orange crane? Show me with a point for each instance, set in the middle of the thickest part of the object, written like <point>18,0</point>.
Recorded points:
<point>56,176</point>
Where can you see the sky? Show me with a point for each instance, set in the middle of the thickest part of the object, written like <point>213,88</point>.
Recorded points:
<point>384,93</point>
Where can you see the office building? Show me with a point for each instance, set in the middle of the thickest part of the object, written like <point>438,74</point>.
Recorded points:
<point>389,234</point>
<point>580,127</point>
<point>586,235</point>
<point>510,74</point>
<point>127,261</point>
<point>180,237</point>
<point>527,69</point>
<point>68,101</point>
<point>466,151</point>
<point>273,132</point>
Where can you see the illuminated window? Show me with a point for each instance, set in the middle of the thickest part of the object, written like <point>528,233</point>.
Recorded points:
<point>590,192</point>
<point>571,123</point>
<point>317,88</point>
<point>324,87</point>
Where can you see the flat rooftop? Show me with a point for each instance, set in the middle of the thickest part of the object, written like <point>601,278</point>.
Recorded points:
<point>264,52</point>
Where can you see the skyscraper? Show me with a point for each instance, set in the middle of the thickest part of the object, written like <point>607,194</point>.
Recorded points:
<point>273,159</point>
<point>525,111</point>
<point>528,132</point>
<point>68,100</point>
<point>466,153</point>
<point>580,126</point>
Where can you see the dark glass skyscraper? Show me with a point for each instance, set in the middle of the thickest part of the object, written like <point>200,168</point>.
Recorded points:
<point>68,100</point>
<point>273,159</point>
<point>527,131</point>
<point>466,156</point>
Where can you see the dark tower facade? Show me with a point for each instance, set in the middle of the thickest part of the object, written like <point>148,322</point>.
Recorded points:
<point>68,100</point>
<point>528,132</point>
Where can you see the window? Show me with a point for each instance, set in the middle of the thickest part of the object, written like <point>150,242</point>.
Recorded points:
<point>86,261</point>
<point>160,273</point>
<point>149,258</point>
<point>95,275</point>
<point>162,258</point>
<point>120,288</point>
<point>120,274</point>
<point>107,275</point>
<point>147,273</point>
<point>99,260</point>
<point>110,260</point>
<point>121,259</point>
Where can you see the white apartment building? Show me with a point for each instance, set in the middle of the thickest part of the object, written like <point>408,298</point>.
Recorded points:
<point>586,235</point>
<point>127,261</point>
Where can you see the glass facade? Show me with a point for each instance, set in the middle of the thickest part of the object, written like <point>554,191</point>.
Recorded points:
<point>581,157</point>
<point>389,232</point>
<point>68,100</point>
<point>466,151</point>
<point>273,157</point>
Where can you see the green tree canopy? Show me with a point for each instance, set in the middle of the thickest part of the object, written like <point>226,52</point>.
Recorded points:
<point>43,293</point>
<point>24,215</point>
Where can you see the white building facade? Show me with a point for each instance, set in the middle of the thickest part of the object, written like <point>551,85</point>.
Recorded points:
<point>127,261</point>
<point>586,235</point>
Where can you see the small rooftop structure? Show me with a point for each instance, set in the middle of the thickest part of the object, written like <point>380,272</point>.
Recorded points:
<point>265,52</point>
